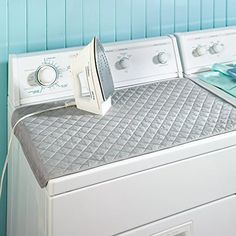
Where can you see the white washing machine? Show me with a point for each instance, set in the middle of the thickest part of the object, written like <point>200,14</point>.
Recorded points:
<point>160,162</point>
<point>199,50</point>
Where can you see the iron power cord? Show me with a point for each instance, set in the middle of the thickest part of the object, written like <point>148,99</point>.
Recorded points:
<point>69,104</point>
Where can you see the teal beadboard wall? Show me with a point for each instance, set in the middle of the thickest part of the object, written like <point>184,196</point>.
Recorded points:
<point>32,25</point>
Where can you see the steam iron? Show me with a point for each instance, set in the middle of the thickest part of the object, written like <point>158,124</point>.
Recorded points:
<point>93,83</point>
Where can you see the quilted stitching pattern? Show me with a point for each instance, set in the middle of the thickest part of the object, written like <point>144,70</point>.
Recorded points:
<point>143,119</point>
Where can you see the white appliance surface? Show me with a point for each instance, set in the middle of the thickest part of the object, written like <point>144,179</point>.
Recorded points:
<point>167,193</point>
<point>131,63</point>
<point>199,50</point>
<point>198,221</point>
<point>227,97</point>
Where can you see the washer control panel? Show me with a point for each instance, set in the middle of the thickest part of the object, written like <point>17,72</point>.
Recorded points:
<point>143,61</point>
<point>212,48</point>
<point>201,49</point>
<point>46,76</point>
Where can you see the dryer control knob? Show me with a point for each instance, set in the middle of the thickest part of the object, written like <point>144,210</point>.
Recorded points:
<point>163,57</point>
<point>124,63</point>
<point>217,48</point>
<point>46,75</point>
<point>200,51</point>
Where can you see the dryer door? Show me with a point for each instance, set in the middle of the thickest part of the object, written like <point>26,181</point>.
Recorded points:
<point>128,202</point>
<point>216,219</point>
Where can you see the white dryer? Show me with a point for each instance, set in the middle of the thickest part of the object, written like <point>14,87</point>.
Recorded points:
<point>160,162</point>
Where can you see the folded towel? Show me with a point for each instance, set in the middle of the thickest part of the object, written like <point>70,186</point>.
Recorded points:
<point>218,79</point>
<point>229,70</point>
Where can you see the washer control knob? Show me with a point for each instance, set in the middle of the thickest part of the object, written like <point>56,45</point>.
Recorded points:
<point>162,57</point>
<point>200,51</point>
<point>217,48</point>
<point>124,63</point>
<point>46,75</point>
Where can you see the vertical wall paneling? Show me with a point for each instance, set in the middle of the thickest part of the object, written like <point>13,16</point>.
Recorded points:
<point>181,15</point>
<point>90,20</point>
<point>17,34</point>
<point>17,26</point>
<point>167,16</point>
<point>3,106</point>
<point>107,20</point>
<point>194,14</point>
<point>207,8</point>
<point>74,23</point>
<point>55,24</point>
<point>231,13</point>
<point>138,21</point>
<point>36,25</point>
<point>219,13</point>
<point>123,19</point>
<point>153,18</point>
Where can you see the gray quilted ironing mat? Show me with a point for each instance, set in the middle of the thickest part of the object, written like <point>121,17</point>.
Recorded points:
<point>142,120</point>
